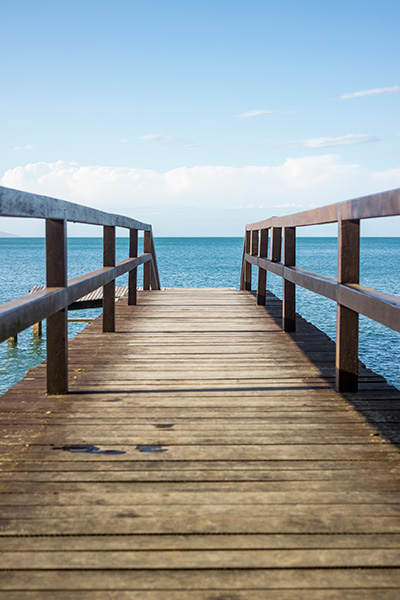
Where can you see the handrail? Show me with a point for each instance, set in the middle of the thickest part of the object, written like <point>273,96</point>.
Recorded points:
<point>52,302</point>
<point>352,299</point>
<point>14,203</point>
<point>384,204</point>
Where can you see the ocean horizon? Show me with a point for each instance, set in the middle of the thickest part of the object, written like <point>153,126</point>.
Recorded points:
<point>205,262</point>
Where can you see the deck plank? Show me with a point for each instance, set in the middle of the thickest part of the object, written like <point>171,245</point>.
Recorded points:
<point>240,472</point>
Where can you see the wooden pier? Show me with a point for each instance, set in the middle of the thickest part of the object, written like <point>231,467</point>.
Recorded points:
<point>92,300</point>
<point>238,471</point>
<point>191,444</point>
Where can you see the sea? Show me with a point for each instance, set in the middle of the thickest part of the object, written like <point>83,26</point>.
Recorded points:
<point>204,262</point>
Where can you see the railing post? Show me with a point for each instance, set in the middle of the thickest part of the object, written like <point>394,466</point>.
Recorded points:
<point>132,280</point>
<point>289,288</point>
<point>109,288</point>
<point>254,242</point>
<point>254,247</point>
<point>147,266</point>
<point>262,273</point>
<point>156,276</point>
<point>247,265</point>
<point>153,270</point>
<point>347,319</point>
<point>241,286</point>
<point>276,244</point>
<point>57,324</point>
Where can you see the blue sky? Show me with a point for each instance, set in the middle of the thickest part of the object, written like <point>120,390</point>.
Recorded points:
<point>200,116</point>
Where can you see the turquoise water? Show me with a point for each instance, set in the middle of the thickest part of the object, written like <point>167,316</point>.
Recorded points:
<point>205,262</point>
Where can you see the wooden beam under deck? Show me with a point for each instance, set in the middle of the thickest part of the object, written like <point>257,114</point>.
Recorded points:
<point>202,453</point>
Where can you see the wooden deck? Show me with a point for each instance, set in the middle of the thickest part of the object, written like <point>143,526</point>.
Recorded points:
<point>201,454</point>
<point>92,300</point>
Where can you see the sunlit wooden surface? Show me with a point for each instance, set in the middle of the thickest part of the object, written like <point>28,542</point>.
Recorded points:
<point>202,453</point>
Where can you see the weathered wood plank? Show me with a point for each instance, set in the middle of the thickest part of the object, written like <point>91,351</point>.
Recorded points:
<point>269,483</point>
<point>130,494</point>
<point>199,542</point>
<point>290,482</point>
<point>130,523</point>
<point>231,594</point>
<point>201,559</point>
<point>202,579</point>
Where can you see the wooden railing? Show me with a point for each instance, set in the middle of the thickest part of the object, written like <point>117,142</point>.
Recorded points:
<point>52,302</point>
<point>352,299</point>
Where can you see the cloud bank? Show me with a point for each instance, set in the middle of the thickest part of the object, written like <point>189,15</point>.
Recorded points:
<point>204,200</point>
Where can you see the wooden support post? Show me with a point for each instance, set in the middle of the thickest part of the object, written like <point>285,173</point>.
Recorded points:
<point>147,266</point>
<point>247,265</point>
<point>289,288</point>
<point>254,242</point>
<point>153,271</point>
<point>109,288</point>
<point>242,269</point>
<point>133,252</point>
<point>37,329</point>
<point>262,273</point>
<point>347,320</point>
<point>156,281</point>
<point>276,244</point>
<point>57,324</point>
<point>251,247</point>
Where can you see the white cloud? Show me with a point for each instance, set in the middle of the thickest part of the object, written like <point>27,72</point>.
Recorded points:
<point>345,140</point>
<point>373,92</point>
<point>257,113</point>
<point>27,147</point>
<point>125,140</point>
<point>203,200</point>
